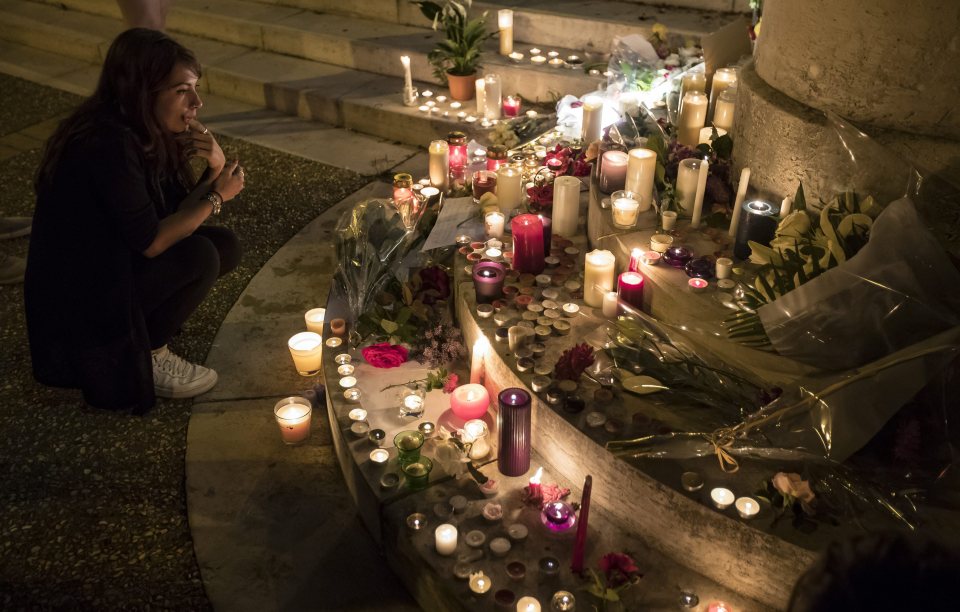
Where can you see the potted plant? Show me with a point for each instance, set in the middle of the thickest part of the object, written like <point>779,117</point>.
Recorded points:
<point>456,59</point>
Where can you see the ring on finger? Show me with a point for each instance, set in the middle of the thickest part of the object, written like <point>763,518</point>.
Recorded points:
<point>205,131</point>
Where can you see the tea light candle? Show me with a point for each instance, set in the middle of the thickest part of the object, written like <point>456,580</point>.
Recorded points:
<point>659,243</point>
<point>377,437</point>
<point>516,570</point>
<point>726,284</point>
<point>517,532</point>
<point>314,319</point>
<point>562,327</point>
<point>610,304</point>
<point>306,349</point>
<point>423,108</point>
<point>747,507</point>
<point>540,383</point>
<point>556,62</point>
<point>528,604</point>
<point>697,285</point>
<point>343,358</point>
<point>722,498</point>
<point>651,258</point>
<point>597,276</point>
<point>416,521</point>
<point>563,601</point>
<point>480,584</point>
<point>718,606</point>
<point>500,546</point>
<point>724,267</point>
<point>484,311</point>
<point>572,285</point>
<point>352,395</point>
<point>445,537</point>
<point>570,309</point>
<point>379,456</point>
<point>691,481</point>
<point>348,381</point>
<point>360,428</point>
<point>493,254</point>
<point>539,60</point>
<point>334,342</point>
<point>357,414</point>
<point>293,417</point>
<point>345,370</point>
<point>516,56</point>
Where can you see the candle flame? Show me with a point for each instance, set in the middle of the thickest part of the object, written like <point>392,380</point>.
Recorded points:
<point>405,60</point>
<point>535,479</point>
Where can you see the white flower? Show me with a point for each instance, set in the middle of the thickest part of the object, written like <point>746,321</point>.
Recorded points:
<point>856,222</point>
<point>795,225</point>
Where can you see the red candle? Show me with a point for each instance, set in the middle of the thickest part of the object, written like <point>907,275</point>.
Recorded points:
<point>547,232</point>
<point>636,256</point>
<point>533,487</point>
<point>527,244</point>
<point>580,543</point>
<point>457,146</point>
<point>630,289</point>
<point>511,106</point>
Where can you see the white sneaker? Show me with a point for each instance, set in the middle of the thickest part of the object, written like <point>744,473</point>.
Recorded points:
<point>175,377</point>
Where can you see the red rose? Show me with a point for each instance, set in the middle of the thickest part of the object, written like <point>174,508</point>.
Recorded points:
<point>618,568</point>
<point>385,355</point>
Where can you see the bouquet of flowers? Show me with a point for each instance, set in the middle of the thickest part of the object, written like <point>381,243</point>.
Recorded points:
<point>618,572</point>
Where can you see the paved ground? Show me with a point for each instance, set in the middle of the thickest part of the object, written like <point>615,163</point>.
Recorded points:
<point>93,507</point>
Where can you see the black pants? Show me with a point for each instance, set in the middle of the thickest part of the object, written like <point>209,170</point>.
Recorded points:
<point>171,285</point>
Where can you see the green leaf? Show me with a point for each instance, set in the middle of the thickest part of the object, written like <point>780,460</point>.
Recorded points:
<point>723,146</point>
<point>389,326</point>
<point>799,201</point>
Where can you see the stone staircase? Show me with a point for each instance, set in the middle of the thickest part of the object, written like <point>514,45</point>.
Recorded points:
<point>338,63</point>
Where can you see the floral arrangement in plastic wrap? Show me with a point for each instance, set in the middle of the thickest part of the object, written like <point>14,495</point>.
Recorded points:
<point>618,572</point>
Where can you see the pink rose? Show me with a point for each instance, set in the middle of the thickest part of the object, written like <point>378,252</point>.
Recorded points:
<point>794,486</point>
<point>451,383</point>
<point>385,355</point>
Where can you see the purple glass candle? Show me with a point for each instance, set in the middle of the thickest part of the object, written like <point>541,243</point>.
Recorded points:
<point>513,420</point>
<point>528,253</point>
<point>488,281</point>
<point>547,232</point>
<point>558,516</point>
<point>630,289</point>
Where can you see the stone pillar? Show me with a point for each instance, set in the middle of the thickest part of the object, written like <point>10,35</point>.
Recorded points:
<point>891,68</point>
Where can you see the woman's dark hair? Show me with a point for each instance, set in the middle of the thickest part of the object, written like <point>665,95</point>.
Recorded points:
<point>137,66</point>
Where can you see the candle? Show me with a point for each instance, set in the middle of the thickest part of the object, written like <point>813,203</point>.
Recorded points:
<point>718,606</point>
<point>592,126</point>
<point>445,537</point>
<point>747,507</point>
<point>724,267</point>
<point>610,304</point>
<point>348,382</point>
<point>563,601</point>
<point>505,22</point>
<point>352,395</point>
<point>659,243</point>
<point>439,164</point>
<point>338,327</point>
<point>722,498</point>
<point>703,171</point>
<point>758,222</point>
<point>491,94</point>
<point>306,349</point>
<point>500,546</point>
<point>613,171</point>
<point>693,115</point>
<point>379,456</point>
<point>537,59</point>
<point>630,289</point>
<point>597,276</point>
<point>483,182</point>
<point>558,516</point>
<point>528,255</point>
<point>566,205</point>
<point>493,223</point>
<point>693,82</point>
<point>513,458</point>
<point>528,604</point>
<point>407,79</point>
<point>314,319</point>
<point>533,487</point>
<point>723,79</point>
<point>293,417</point>
<point>786,206</point>
<point>641,170</point>
<point>697,285</point>
<point>469,401</point>
<point>481,97</point>
<point>376,437</point>
<point>509,188</point>
<point>516,56</point>
<point>636,258</point>
<point>334,342</point>
<point>668,219</point>
<point>580,542</point>
<point>688,178</point>
<point>476,432</point>
<point>345,369</point>
<point>725,109</point>
<point>570,309</point>
<point>480,584</point>
<point>625,211</point>
<point>511,106</point>
<point>738,202</point>
<point>706,134</point>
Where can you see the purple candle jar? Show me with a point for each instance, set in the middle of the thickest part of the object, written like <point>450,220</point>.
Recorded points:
<point>677,256</point>
<point>701,267</point>
<point>488,279</point>
<point>558,516</point>
<point>513,420</point>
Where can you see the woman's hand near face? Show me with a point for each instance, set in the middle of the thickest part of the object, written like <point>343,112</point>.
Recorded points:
<point>198,141</point>
<point>230,181</point>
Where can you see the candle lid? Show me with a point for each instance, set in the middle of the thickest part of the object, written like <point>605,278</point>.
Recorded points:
<point>402,179</point>
<point>456,138</point>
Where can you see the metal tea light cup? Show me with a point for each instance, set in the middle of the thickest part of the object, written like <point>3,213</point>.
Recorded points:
<point>408,445</point>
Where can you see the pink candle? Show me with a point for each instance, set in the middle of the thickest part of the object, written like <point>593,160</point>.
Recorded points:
<point>580,543</point>
<point>613,171</point>
<point>533,487</point>
<point>402,193</point>
<point>547,232</point>
<point>636,258</point>
<point>293,416</point>
<point>511,106</point>
<point>457,145</point>
<point>527,244</point>
<point>630,289</point>
<point>470,401</point>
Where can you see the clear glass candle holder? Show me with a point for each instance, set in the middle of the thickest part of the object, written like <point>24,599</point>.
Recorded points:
<point>412,402</point>
<point>293,416</point>
<point>625,208</point>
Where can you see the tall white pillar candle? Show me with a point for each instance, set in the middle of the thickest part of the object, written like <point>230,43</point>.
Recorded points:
<point>786,206</point>
<point>505,22</point>
<point>407,79</point>
<point>492,96</point>
<point>701,191</point>
<point>692,81</point>
<point>688,175</point>
<point>723,79</point>
<point>693,116</point>
<point>446,539</point>
<point>724,110</point>
<point>566,205</point>
<point>481,98</point>
<point>592,119</point>
<point>641,170</point>
<point>439,164</point>
<point>738,203</point>
<point>597,276</point>
<point>509,194</point>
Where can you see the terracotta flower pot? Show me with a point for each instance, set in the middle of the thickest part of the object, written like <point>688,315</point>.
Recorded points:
<point>462,87</point>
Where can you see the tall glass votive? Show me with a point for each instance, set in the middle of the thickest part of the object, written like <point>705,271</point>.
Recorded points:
<point>496,157</point>
<point>314,319</point>
<point>306,348</point>
<point>293,415</point>
<point>483,181</point>
<point>408,445</point>
<point>625,207</point>
<point>417,473</point>
<point>513,420</point>
<point>488,277</point>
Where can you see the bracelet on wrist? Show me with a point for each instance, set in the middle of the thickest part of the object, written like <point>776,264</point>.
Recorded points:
<point>215,199</point>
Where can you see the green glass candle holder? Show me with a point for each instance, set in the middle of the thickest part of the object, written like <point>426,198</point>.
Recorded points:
<point>408,445</point>
<point>417,473</point>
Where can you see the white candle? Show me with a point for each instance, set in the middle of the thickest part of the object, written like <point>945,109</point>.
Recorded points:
<point>492,96</point>
<point>509,188</point>
<point>724,111</point>
<point>641,170</point>
<point>306,349</point>
<point>724,267</point>
<point>597,276</point>
<point>314,319</point>
<point>625,211</point>
<point>747,507</point>
<point>723,79</point>
<point>786,206</point>
<point>293,416</point>
<point>722,498</point>
<point>738,202</point>
<point>481,100</point>
<point>357,414</point>
<point>537,59</point>
<point>446,539</point>
<point>701,191</point>
<point>528,604</point>
<point>479,583</point>
<point>688,176</point>
<point>348,382</point>
<point>566,205</point>
<point>693,81</point>
<point>379,456</point>
<point>693,116</point>
<point>477,431</point>
<point>407,79</point>
<point>668,218</point>
<point>592,119</point>
<point>493,224</point>
<point>439,164</point>
<point>505,23</point>
<point>610,304</point>
<point>706,134</point>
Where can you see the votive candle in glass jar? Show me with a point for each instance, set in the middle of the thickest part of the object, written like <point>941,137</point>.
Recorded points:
<point>496,157</point>
<point>293,415</point>
<point>630,289</point>
<point>306,349</point>
<point>488,279</point>
<point>511,106</point>
<point>513,458</point>
<point>457,147</point>
<point>625,210</point>
<point>314,319</point>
